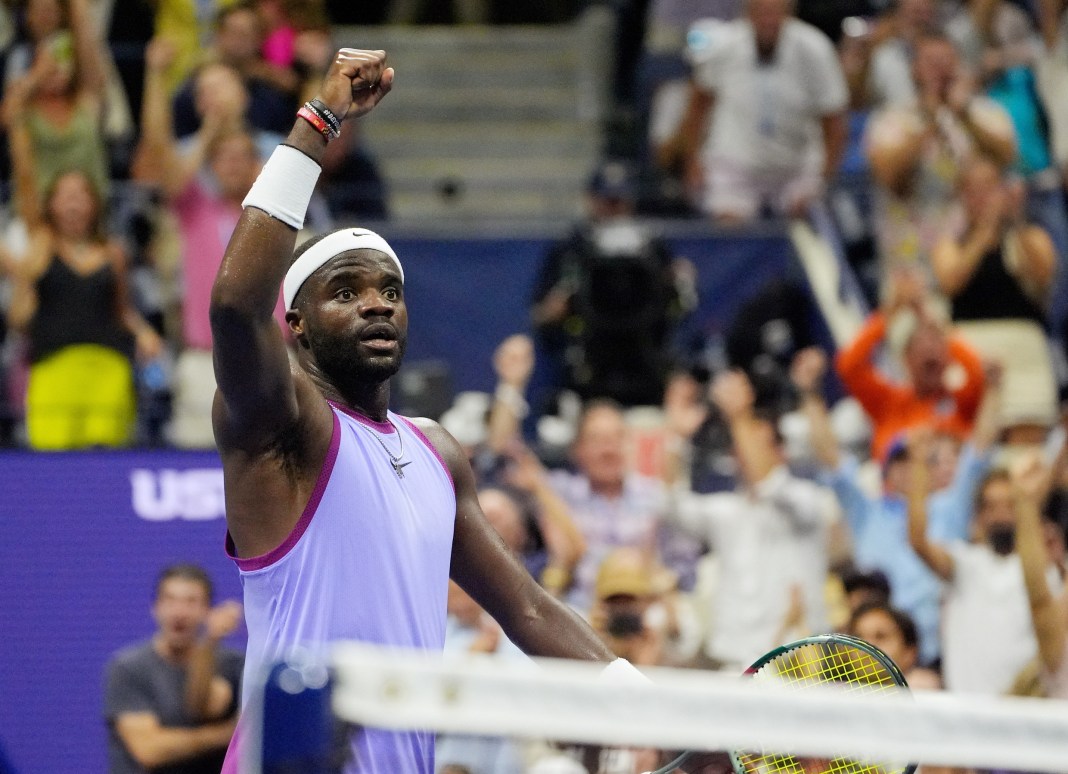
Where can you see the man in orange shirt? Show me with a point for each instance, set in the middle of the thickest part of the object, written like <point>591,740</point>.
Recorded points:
<point>945,376</point>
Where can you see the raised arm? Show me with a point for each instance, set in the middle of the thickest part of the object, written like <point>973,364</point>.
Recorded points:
<point>988,418</point>
<point>20,146</point>
<point>855,362</point>
<point>954,261</point>
<point>893,144</point>
<point>990,127</point>
<point>1031,481</point>
<point>806,372</point>
<point>1037,259</point>
<point>681,152</point>
<point>208,696</point>
<point>88,50</point>
<point>258,400</point>
<point>156,159</point>
<point>1049,20</point>
<point>834,128</point>
<point>857,369</point>
<point>513,362</point>
<point>733,395</point>
<point>934,556</point>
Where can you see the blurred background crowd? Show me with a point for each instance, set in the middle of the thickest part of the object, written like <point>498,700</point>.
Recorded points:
<point>877,450</point>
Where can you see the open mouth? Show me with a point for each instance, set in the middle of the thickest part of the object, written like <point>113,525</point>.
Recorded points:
<point>380,337</point>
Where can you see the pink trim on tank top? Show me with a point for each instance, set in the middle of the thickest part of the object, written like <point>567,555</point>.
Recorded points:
<point>387,427</point>
<point>269,558</point>
<point>234,750</point>
<point>382,427</point>
<point>430,446</point>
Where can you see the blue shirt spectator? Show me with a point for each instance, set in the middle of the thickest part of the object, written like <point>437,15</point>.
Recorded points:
<point>880,534</point>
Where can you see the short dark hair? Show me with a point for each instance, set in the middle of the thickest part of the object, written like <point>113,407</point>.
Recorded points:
<point>185,571</point>
<point>875,580</point>
<point>902,620</point>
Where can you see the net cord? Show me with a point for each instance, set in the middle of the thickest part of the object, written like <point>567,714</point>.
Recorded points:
<point>688,709</point>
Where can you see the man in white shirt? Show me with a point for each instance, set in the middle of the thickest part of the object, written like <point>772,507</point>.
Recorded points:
<point>987,636</point>
<point>765,126</point>
<point>769,537</point>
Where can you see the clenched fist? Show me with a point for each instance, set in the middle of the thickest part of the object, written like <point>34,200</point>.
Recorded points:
<point>356,81</point>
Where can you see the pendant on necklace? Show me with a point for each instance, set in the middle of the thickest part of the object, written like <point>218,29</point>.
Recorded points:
<point>398,466</point>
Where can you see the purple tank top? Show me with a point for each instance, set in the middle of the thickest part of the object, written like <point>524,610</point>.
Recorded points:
<point>368,561</point>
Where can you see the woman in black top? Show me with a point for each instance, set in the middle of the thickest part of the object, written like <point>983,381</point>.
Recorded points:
<point>70,300</point>
<point>1001,267</point>
<point>997,276</point>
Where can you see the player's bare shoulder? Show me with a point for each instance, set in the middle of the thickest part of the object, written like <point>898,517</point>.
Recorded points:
<point>443,442</point>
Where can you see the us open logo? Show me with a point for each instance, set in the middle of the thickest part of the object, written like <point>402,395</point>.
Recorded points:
<point>195,494</point>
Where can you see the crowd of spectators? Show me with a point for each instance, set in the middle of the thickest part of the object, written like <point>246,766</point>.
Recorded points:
<point>940,538</point>
<point>122,189</point>
<point>942,541</point>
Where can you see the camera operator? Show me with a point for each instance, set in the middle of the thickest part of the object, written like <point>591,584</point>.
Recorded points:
<point>608,298</point>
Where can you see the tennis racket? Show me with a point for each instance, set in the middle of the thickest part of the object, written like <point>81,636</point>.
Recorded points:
<point>820,660</point>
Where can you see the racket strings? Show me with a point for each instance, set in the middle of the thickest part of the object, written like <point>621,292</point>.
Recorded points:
<point>818,664</point>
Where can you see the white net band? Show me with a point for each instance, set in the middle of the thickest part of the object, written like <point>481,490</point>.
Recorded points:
<point>690,709</point>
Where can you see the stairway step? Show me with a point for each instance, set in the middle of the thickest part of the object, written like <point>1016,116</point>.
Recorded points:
<point>489,122</point>
<point>510,170</point>
<point>488,104</point>
<point>472,141</point>
<point>544,205</point>
<point>466,41</point>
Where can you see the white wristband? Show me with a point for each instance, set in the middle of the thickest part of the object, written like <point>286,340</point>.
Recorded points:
<point>622,672</point>
<point>284,186</point>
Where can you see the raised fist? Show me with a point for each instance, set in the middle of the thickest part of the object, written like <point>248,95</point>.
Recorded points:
<point>356,81</point>
<point>732,393</point>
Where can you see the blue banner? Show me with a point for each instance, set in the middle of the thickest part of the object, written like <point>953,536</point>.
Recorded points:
<point>84,537</point>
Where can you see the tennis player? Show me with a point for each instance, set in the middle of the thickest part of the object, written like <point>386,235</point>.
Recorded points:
<point>346,521</point>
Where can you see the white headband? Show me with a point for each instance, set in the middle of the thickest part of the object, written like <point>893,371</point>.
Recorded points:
<point>329,247</point>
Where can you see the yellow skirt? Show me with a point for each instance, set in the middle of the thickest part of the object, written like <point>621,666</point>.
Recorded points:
<point>80,397</point>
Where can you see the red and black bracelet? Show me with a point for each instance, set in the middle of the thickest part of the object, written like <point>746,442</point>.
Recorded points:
<point>330,129</point>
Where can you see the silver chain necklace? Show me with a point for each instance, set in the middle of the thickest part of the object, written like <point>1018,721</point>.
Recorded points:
<point>394,459</point>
